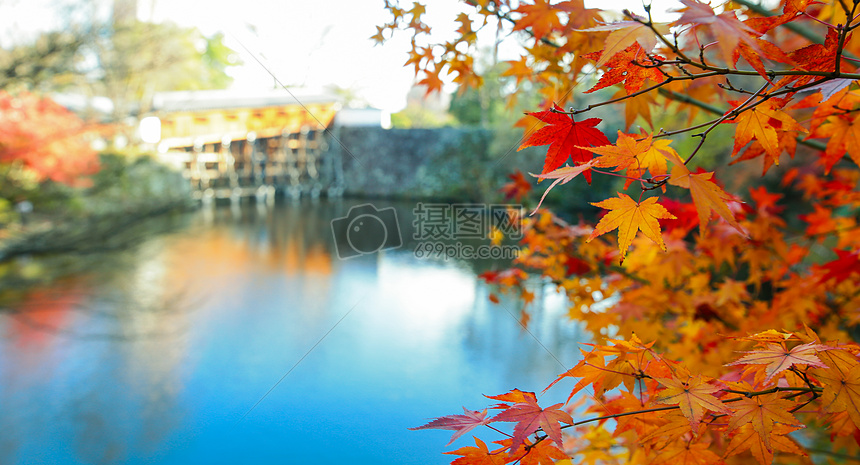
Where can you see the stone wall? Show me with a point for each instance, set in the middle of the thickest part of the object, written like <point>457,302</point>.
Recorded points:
<point>462,164</point>
<point>412,163</point>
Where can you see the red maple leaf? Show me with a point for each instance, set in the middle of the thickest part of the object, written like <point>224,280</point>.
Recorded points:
<point>631,66</point>
<point>518,188</point>
<point>530,417</point>
<point>842,267</point>
<point>815,57</point>
<point>565,137</point>
<point>790,10</point>
<point>461,424</point>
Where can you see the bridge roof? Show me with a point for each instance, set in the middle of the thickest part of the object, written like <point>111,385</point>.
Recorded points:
<point>224,99</point>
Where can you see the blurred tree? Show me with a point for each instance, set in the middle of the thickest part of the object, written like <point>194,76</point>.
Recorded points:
<point>485,105</point>
<point>135,59</point>
<point>124,59</point>
<point>499,101</point>
<point>423,110</point>
<point>349,96</point>
<point>48,63</point>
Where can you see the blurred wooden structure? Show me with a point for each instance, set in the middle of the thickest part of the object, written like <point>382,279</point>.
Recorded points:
<point>233,146</point>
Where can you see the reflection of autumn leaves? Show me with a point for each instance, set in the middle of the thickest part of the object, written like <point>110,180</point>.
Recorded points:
<point>218,253</point>
<point>45,313</point>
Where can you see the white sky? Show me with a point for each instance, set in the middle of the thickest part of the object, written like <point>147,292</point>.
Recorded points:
<point>304,43</point>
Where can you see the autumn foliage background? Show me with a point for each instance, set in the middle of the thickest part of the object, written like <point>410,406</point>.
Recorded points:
<point>724,322</point>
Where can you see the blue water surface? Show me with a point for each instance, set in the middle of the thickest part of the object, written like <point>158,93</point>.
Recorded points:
<point>240,337</point>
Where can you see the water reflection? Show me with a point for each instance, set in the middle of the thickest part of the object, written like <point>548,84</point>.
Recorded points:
<point>158,354</point>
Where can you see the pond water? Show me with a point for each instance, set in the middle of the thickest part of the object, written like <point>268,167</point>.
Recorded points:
<point>239,336</point>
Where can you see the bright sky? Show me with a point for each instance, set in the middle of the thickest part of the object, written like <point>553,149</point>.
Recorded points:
<point>314,43</point>
<point>304,43</point>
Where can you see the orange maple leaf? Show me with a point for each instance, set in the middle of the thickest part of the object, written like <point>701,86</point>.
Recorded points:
<point>543,453</point>
<point>769,336</point>
<point>844,136</point>
<point>707,195</point>
<point>519,69</point>
<point>378,37</point>
<point>591,370</point>
<point>530,417</point>
<point>637,106</point>
<point>790,10</point>
<point>676,426</point>
<point>565,136</point>
<point>682,452</point>
<point>841,382</point>
<point>541,18</point>
<point>747,438</point>
<point>628,217</point>
<point>636,156</point>
<point>778,358</point>
<point>693,396</point>
<point>478,455</point>
<point>764,123</point>
<point>787,143</point>
<point>431,79</point>
<point>419,55</point>
<point>515,397</point>
<point>762,412</point>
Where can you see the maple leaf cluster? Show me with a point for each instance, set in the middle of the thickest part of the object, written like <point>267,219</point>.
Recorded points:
<point>725,324</point>
<point>663,413</point>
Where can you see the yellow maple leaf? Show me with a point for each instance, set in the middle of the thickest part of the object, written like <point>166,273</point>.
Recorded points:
<point>628,217</point>
<point>637,156</point>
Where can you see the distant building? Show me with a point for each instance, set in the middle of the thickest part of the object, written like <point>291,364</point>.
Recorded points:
<point>211,116</point>
<point>363,117</point>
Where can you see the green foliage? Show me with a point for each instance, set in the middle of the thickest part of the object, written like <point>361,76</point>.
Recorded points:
<point>417,116</point>
<point>48,63</point>
<point>137,59</point>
